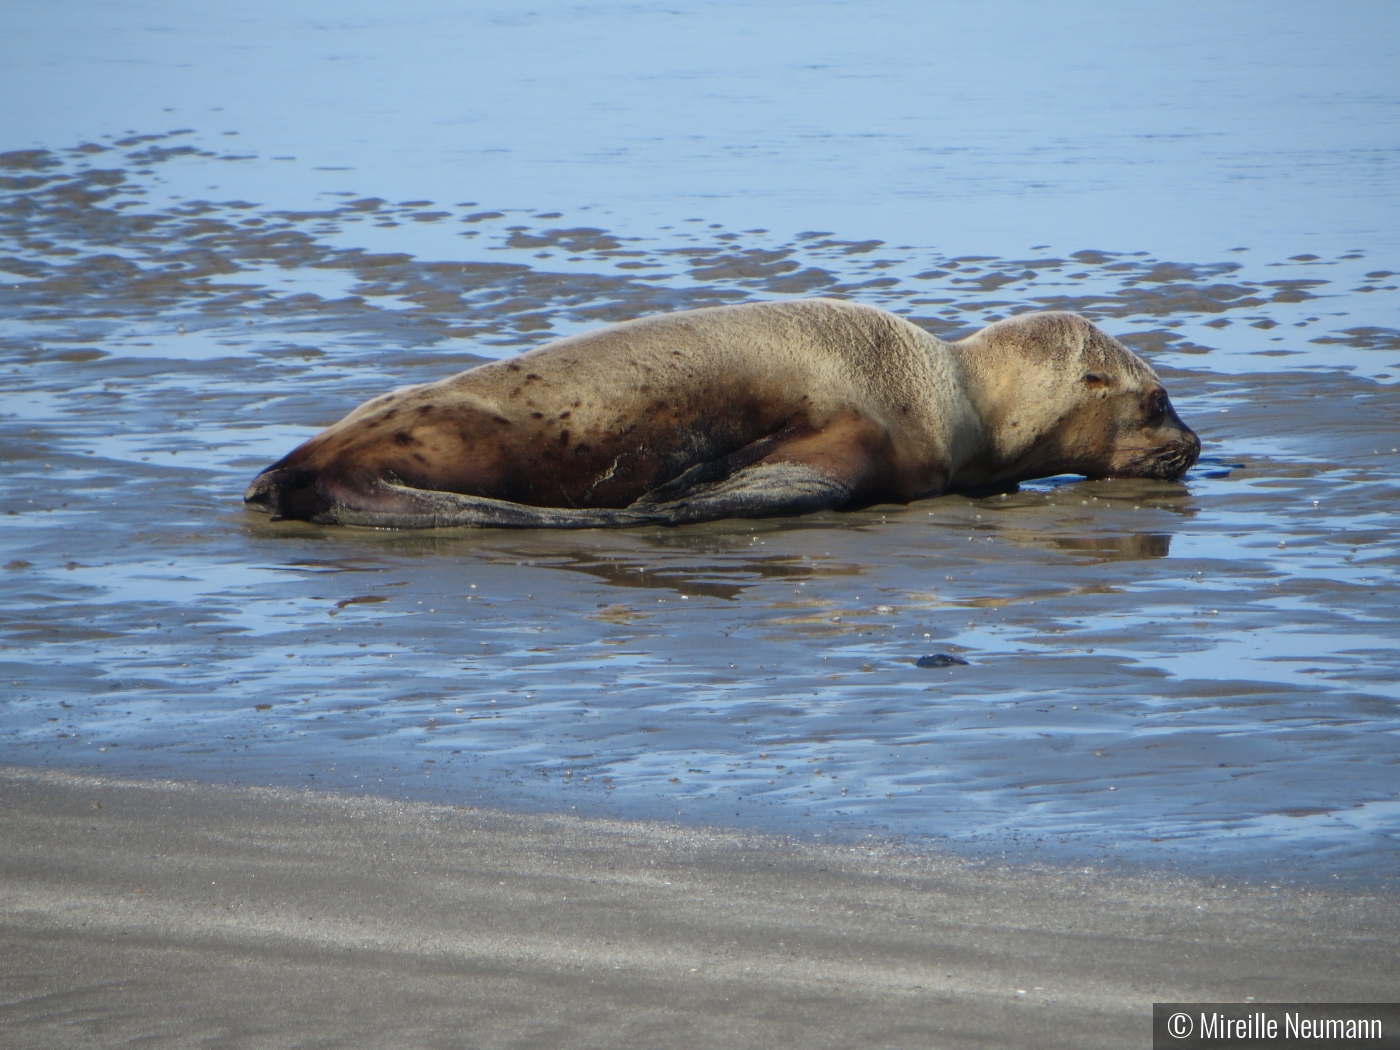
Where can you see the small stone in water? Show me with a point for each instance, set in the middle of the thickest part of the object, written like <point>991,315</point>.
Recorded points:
<point>940,660</point>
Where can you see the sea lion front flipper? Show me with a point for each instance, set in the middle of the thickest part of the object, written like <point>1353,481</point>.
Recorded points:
<point>768,488</point>
<point>797,471</point>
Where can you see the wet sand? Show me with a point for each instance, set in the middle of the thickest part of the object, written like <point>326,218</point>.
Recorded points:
<point>166,914</point>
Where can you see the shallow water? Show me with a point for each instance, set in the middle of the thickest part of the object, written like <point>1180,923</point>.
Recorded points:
<point>1200,675</point>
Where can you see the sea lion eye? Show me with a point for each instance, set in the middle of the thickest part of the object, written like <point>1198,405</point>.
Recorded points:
<point>1095,379</point>
<point>1157,404</point>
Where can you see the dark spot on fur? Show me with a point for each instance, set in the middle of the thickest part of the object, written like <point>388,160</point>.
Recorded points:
<point>426,408</point>
<point>563,437</point>
<point>564,415</point>
<point>582,449</point>
<point>403,437</point>
<point>529,376</point>
<point>513,367</point>
<point>536,415</point>
<point>420,458</point>
<point>515,392</point>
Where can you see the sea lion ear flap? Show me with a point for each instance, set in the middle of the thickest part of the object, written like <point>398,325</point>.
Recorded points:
<point>1094,380</point>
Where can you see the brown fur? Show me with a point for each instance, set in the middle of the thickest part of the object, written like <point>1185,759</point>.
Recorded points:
<point>764,408</point>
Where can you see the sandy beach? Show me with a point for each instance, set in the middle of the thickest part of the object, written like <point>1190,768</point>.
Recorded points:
<point>169,914</point>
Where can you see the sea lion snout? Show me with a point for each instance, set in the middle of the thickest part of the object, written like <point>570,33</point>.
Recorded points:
<point>1160,446</point>
<point>1175,458</point>
<point>1180,453</point>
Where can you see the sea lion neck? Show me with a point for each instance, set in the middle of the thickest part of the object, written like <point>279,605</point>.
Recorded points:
<point>1007,393</point>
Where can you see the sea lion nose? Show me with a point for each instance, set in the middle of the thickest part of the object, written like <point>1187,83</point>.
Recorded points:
<point>1190,439</point>
<point>1187,450</point>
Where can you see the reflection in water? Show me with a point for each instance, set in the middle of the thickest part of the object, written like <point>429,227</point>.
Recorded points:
<point>1134,547</point>
<point>726,579</point>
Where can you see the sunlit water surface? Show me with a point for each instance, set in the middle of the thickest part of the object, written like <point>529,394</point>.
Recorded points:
<point>1199,675</point>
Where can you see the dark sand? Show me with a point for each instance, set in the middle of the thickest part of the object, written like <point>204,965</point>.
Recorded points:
<point>165,914</point>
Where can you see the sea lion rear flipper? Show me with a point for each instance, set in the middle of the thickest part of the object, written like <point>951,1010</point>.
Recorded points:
<point>403,507</point>
<point>768,488</point>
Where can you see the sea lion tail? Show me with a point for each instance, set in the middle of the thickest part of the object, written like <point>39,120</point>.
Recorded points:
<point>287,492</point>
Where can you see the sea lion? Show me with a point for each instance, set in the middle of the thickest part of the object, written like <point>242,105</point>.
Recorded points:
<point>737,411</point>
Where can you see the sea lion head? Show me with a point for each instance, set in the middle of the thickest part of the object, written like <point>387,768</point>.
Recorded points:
<point>1059,396</point>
